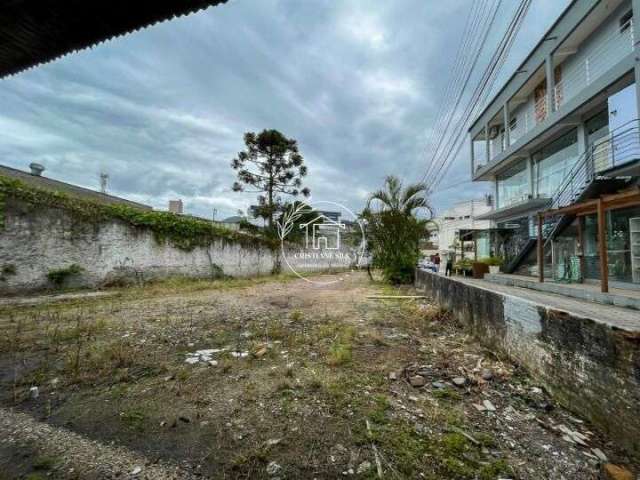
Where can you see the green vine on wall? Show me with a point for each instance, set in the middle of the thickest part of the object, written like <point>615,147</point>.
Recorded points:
<point>184,233</point>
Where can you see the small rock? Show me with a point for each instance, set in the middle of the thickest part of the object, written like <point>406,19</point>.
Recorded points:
<point>273,441</point>
<point>600,454</point>
<point>213,363</point>
<point>260,352</point>
<point>273,468</point>
<point>136,470</point>
<point>393,376</point>
<point>488,406</point>
<point>616,472</point>
<point>439,385</point>
<point>417,381</point>
<point>412,398</point>
<point>35,392</point>
<point>459,381</point>
<point>487,374</point>
<point>364,467</point>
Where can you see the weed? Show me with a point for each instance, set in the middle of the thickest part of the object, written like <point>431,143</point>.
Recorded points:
<point>296,316</point>
<point>339,354</point>
<point>134,418</point>
<point>44,463</point>
<point>60,275</point>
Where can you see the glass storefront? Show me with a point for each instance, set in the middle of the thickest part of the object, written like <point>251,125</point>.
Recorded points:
<point>623,246</point>
<point>513,186</point>
<point>553,162</point>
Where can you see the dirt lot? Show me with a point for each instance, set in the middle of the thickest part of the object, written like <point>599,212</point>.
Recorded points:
<point>291,381</point>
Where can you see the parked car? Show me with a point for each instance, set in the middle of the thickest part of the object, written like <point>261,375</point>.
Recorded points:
<point>428,265</point>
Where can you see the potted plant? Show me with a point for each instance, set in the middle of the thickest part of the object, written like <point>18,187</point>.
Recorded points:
<point>463,266</point>
<point>494,264</point>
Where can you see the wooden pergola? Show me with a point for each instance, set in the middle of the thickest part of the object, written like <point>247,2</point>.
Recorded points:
<point>599,206</point>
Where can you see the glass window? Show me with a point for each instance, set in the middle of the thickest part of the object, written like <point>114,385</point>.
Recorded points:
<point>513,186</point>
<point>553,163</point>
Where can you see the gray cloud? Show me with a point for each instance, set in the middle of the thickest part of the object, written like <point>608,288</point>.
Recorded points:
<point>163,110</point>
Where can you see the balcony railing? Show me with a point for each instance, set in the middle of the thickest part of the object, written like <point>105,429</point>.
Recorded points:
<point>604,56</point>
<point>620,147</point>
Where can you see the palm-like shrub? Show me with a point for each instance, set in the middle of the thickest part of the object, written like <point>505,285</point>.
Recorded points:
<point>394,230</point>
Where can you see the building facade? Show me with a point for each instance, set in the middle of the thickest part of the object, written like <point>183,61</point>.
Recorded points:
<point>463,217</point>
<point>564,130</point>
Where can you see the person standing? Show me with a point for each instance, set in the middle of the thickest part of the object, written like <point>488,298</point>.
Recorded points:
<point>449,266</point>
<point>436,262</point>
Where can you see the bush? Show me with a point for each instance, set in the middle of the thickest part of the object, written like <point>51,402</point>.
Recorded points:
<point>58,276</point>
<point>492,261</point>
<point>464,264</point>
<point>393,239</point>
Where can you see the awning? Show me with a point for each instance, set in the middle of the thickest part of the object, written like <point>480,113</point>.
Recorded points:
<point>525,206</point>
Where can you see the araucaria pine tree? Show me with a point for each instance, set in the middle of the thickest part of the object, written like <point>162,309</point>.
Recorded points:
<point>272,166</point>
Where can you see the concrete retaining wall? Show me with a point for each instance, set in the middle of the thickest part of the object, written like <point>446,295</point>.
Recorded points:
<point>591,368</point>
<point>35,241</point>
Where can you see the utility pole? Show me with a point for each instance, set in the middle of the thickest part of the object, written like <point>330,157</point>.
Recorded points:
<point>104,178</point>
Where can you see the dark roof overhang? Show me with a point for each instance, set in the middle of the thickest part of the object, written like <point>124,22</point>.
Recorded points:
<point>33,32</point>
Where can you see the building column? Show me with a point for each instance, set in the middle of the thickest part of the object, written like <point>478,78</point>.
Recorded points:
<point>602,241</point>
<point>540,250</point>
<point>473,159</point>
<point>486,137</point>
<point>636,46</point>
<point>551,83</point>
<point>496,190</point>
<point>530,174</point>
<point>505,113</point>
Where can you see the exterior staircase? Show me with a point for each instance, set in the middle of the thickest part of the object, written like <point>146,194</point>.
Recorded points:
<point>593,174</point>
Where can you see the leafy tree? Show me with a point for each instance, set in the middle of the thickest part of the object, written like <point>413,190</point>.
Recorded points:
<point>272,166</point>
<point>394,230</point>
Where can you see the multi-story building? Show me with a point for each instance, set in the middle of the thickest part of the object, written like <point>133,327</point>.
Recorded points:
<point>463,218</point>
<point>561,137</point>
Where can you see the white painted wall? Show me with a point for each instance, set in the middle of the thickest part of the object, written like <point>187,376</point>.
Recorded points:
<point>460,216</point>
<point>36,241</point>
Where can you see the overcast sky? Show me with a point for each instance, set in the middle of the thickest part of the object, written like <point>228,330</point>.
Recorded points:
<point>163,110</point>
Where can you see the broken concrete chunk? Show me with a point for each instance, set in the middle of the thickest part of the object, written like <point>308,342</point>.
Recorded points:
<point>488,406</point>
<point>364,467</point>
<point>273,468</point>
<point>417,381</point>
<point>600,454</point>
<point>459,381</point>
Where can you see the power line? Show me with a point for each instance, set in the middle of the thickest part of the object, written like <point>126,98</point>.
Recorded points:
<point>465,48</point>
<point>479,96</point>
<point>450,113</point>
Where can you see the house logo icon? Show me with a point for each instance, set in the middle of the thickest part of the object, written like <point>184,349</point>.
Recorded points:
<point>323,233</point>
<point>332,245</point>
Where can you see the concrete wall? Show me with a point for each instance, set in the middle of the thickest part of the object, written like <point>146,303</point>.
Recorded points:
<point>35,241</point>
<point>591,368</point>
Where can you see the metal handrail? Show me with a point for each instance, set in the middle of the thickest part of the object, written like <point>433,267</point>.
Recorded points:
<point>584,171</point>
<point>584,168</point>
